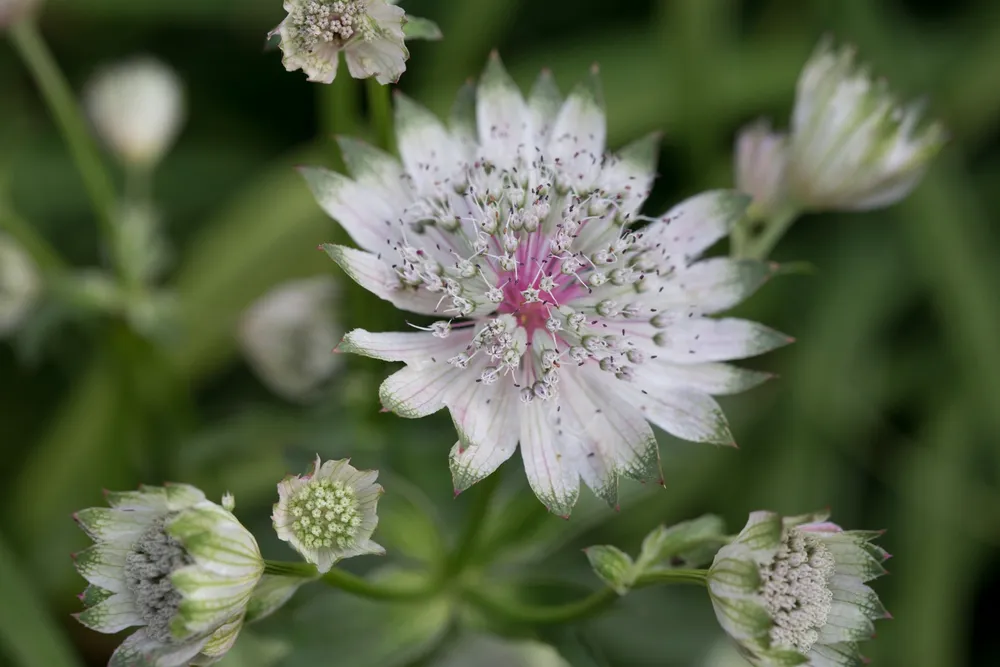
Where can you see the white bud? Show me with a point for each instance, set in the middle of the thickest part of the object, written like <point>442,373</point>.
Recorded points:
<point>137,108</point>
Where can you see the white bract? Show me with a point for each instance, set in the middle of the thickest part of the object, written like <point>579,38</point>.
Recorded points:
<point>329,514</point>
<point>369,32</point>
<point>180,566</point>
<point>566,325</point>
<point>20,284</point>
<point>792,591</point>
<point>137,108</point>
<point>761,165</point>
<point>852,146</point>
<point>288,336</point>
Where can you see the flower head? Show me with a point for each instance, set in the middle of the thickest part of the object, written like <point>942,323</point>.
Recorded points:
<point>852,146</point>
<point>369,32</point>
<point>20,284</point>
<point>174,563</point>
<point>792,591</point>
<point>563,324</point>
<point>329,514</point>
<point>137,108</point>
<point>761,159</point>
<point>288,333</point>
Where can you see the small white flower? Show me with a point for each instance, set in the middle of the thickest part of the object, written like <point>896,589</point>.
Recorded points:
<point>792,591</point>
<point>20,284</point>
<point>289,334</point>
<point>540,369</point>
<point>761,159</point>
<point>369,32</point>
<point>329,514</point>
<point>852,146</point>
<point>174,563</point>
<point>13,10</point>
<point>137,108</point>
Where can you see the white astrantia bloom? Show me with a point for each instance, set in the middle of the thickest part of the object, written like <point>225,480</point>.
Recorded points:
<point>761,159</point>
<point>329,514</point>
<point>137,108</point>
<point>20,284</point>
<point>565,324</point>
<point>288,336</point>
<point>853,146</point>
<point>369,32</point>
<point>791,591</point>
<point>178,565</point>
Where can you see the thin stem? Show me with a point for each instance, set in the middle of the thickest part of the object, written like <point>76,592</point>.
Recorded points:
<point>66,111</point>
<point>529,614</point>
<point>354,584</point>
<point>750,246</point>
<point>338,106</point>
<point>380,112</point>
<point>474,521</point>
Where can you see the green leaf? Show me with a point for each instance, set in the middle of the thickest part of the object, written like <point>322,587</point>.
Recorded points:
<point>687,544</point>
<point>613,566</point>
<point>418,28</point>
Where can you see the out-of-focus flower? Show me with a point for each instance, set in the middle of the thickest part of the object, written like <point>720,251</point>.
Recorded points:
<point>792,591</point>
<point>13,10</point>
<point>852,146</point>
<point>20,284</point>
<point>137,108</point>
<point>178,565</point>
<point>761,159</point>
<point>289,334</point>
<point>491,651</point>
<point>369,32</point>
<point>329,514</point>
<point>564,328</point>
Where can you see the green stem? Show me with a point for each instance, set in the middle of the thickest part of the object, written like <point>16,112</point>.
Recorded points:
<point>380,112</point>
<point>45,256</point>
<point>354,584</point>
<point>338,107</point>
<point>747,245</point>
<point>64,108</point>
<point>474,521</point>
<point>517,612</point>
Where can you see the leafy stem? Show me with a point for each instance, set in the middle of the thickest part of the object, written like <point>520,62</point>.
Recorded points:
<point>756,235</point>
<point>351,583</point>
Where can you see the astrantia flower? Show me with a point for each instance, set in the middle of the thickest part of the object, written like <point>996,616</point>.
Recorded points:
<point>288,334</point>
<point>761,158</point>
<point>792,591</point>
<point>369,32</point>
<point>852,146</point>
<point>329,514</point>
<point>174,563</point>
<point>20,284</point>
<point>565,325</point>
<point>137,108</point>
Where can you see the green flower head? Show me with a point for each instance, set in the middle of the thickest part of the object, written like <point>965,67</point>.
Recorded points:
<point>330,513</point>
<point>791,591</point>
<point>178,565</point>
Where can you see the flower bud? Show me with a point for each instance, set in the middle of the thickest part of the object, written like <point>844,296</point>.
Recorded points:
<point>20,284</point>
<point>176,564</point>
<point>792,591</point>
<point>329,514</point>
<point>289,334</point>
<point>852,146</point>
<point>761,156</point>
<point>369,32</point>
<point>137,108</point>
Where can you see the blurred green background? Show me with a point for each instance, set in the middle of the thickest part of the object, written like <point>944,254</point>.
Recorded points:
<point>887,409</point>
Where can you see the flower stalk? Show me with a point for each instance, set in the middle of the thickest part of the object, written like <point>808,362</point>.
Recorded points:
<point>380,113</point>
<point>353,584</point>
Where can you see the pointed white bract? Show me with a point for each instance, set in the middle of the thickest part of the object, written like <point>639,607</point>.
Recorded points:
<point>761,166</point>
<point>369,32</point>
<point>288,336</point>
<point>174,563</point>
<point>565,325</point>
<point>20,284</point>
<point>329,514</point>
<point>137,109</point>
<point>853,146</point>
<point>791,591</point>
